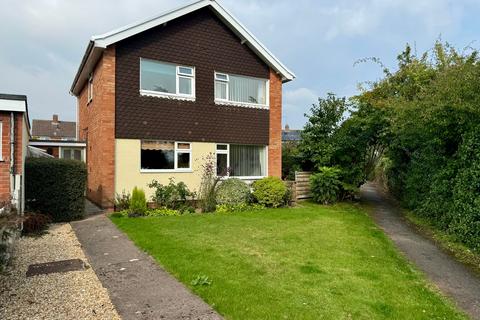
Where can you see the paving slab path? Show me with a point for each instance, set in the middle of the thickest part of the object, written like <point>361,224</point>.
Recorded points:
<point>138,287</point>
<point>450,276</point>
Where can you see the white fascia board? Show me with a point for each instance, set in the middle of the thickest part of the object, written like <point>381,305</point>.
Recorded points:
<point>252,41</point>
<point>13,105</point>
<point>106,39</point>
<point>48,143</point>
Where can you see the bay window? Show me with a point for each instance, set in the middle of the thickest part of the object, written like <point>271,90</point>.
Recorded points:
<point>240,89</point>
<point>165,155</point>
<point>241,160</point>
<point>166,79</point>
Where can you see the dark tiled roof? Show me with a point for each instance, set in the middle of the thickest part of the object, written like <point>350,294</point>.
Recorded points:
<point>291,135</point>
<point>48,128</point>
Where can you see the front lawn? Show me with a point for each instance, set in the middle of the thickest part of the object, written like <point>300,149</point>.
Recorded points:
<point>310,262</point>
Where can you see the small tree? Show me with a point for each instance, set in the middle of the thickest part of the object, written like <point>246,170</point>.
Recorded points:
<point>138,203</point>
<point>323,120</point>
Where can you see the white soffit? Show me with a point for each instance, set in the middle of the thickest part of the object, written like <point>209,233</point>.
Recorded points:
<point>13,105</point>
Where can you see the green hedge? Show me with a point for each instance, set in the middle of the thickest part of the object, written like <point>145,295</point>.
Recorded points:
<point>55,187</point>
<point>270,191</point>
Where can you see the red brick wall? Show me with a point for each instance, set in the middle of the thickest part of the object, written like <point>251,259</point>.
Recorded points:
<point>5,192</point>
<point>96,126</point>
<point>275,127</point>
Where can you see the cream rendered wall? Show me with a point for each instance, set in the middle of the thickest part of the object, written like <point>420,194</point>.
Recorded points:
<point>127,167</point>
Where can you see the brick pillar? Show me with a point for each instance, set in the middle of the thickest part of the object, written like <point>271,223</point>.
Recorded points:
<point>275,126</point>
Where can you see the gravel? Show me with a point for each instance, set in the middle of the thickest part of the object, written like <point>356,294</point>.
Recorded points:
<point>70,295</point>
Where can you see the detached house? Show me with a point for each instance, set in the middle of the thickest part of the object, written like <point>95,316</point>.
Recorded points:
<point>159,97</point>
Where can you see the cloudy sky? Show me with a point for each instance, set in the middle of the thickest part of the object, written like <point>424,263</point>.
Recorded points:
<point>42,41</point>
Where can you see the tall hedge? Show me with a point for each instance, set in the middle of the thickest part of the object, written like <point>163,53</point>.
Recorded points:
<point>56,187</point>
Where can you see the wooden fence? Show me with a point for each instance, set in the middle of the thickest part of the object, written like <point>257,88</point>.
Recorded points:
<point>302,185</point>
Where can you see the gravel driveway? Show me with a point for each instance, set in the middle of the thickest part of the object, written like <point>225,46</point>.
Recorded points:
<point>70,295</point>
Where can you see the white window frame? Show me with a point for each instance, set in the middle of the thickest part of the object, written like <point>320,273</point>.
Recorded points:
<point>227,101</point>
<point>61,149</point>
<point>178,75</point>
<point>227,152</point>
<point>1,140</point>
<point>228,176</point>
<point>175,159</point>
<point>90,88</point>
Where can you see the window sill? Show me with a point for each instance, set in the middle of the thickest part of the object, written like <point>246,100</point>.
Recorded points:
<point>166,170</point>
<point>244,177</point>
<point>241,104</point>
<point>166,95</point>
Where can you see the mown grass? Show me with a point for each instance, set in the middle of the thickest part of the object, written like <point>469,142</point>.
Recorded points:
<point>310,262</point>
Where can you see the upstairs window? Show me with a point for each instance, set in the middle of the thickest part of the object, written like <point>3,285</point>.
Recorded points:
<point>90,89</point>
<point>239,89</point>
<point>165,79</point>
<point>165,155</point>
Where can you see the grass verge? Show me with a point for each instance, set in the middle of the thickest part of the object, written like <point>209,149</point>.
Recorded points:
<point>448,243</point>
<point>309,262</point>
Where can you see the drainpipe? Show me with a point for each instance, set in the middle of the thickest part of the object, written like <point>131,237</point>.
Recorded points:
<point>12,151</point>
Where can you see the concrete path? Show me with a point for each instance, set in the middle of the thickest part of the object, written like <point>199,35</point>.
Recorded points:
<point>137,286</point>
<point>450,276</point>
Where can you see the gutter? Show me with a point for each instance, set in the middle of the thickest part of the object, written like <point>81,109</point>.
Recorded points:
<point>85,57</point>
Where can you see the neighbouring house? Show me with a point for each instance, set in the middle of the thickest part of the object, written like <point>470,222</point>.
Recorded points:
<point>15,133</point>
<point>159,97</point>
<point>291,135</point>
<point>57,138</point>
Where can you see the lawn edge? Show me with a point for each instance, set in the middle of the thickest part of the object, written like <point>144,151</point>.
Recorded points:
<point>456,249</point>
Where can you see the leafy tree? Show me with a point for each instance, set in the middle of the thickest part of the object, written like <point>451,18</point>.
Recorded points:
<point>324,119</point>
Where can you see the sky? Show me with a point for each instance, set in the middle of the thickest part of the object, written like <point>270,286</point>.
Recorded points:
<point>43,41</point>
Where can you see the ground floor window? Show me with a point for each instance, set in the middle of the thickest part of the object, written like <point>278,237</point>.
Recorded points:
<point>241,160</point>
<point>165,155</point>
<point>70,153</point>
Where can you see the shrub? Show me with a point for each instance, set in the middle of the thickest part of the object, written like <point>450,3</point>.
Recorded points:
<point>269,191</point>
<point>138,203</point>
<point>160,212</point>
<point>326,185</point>
<point>208,184</point>
<point>122,201</point>
<point>173,195</point>
<point>232,191</point>
<point>55,187</point>
<point>35,223</point>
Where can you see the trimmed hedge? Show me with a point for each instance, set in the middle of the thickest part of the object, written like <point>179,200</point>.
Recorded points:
<point>56,187</point>
<point>270,191</point>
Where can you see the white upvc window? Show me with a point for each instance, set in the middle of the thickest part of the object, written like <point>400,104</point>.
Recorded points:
<point>165,156</point>
<point>241,90</point>
<point>90,88</point>
<point>167,80</point>
<point>71,153</point>
<point>241,161</point>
